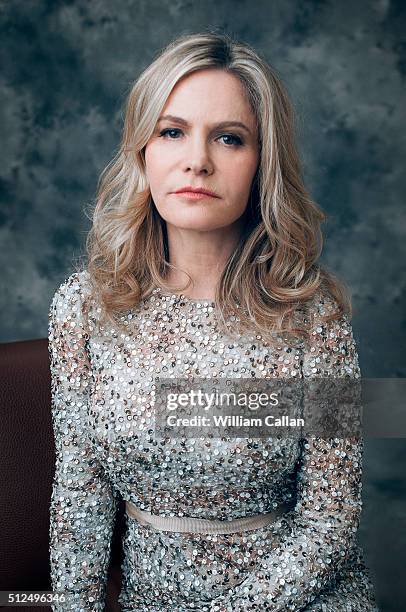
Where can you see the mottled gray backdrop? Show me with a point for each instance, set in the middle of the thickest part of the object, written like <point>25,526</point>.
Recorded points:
<point>66,69</point>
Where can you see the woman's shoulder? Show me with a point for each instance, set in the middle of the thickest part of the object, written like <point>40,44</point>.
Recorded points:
<point>331,346</point>
<point>326,320</point>
<point>71,298</point>
<point>324,309</point>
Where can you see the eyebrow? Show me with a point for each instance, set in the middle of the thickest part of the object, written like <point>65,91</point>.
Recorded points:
<point>222,125</point>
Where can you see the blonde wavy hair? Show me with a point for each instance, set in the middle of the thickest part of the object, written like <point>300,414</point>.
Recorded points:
<point>274,273</point>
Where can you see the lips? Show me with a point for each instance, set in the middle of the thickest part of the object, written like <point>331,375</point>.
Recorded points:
<point>197,190</point>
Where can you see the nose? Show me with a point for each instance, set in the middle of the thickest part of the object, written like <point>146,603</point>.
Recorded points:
<point>198,157</point>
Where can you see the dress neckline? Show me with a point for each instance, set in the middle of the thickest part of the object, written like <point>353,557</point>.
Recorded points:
<point>181,297</point>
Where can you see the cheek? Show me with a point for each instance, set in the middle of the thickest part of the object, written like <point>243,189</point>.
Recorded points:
<point>154,167</point>
<point>240,179</point>
<point>150,160</point>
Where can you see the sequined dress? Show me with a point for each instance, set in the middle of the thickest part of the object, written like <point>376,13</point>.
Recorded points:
<point>105,446</point>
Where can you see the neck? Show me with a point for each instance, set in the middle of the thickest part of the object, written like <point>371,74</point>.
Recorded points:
<point>202,255</point>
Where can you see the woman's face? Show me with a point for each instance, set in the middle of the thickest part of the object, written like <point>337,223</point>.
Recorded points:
<point>191,148</point>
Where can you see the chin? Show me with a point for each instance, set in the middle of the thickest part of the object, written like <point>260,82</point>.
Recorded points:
<point>196,226</point>
<point>201,222</point>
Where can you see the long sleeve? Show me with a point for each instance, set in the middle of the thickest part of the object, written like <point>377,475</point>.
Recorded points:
<point>325,519</point>
<point>83,504</point>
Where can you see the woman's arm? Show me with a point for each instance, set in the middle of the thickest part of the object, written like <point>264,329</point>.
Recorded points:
<point>324,522</point>
<point>83,504</point>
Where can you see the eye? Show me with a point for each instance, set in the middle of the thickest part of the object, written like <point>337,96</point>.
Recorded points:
<point>163,133</point>
<point>237,139</point>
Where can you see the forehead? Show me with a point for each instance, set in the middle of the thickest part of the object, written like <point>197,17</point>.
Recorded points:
<point>210,93</point>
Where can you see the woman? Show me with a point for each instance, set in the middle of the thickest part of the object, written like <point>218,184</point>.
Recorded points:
<point>213,524</point>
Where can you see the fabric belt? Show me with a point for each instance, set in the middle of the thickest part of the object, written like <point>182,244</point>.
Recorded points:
<point>183,524</point>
